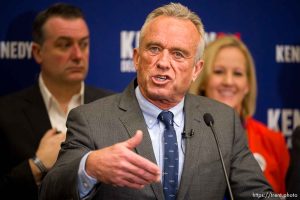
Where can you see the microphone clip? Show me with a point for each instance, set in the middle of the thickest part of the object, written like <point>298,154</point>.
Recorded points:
<point>190,134</point>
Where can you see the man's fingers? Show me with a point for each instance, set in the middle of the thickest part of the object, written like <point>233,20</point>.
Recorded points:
<point>141,166</point>
<point>135,140</point>
<point>141,175</point>
<point>144,163</point>
<point>51,131</point>
<point>121,166</point>
<point>132,178</point>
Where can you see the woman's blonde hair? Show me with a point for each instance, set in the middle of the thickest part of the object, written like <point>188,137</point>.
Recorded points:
<point>199,86</point>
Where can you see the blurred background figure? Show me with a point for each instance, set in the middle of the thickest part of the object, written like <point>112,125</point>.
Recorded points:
<point>229,77</point>
<point>32,121</point>
<point>293,176</point>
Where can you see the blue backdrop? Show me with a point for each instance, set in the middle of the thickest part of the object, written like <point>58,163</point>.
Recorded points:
<point>269,28</point>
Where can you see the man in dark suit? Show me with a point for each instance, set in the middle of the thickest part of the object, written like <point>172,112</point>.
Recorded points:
<point>151,142</point>
<point>32,121</point>
<point>293,176</point>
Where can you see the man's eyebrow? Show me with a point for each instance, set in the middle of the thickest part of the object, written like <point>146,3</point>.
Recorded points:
<point>70,38</point>
<point>153,43</point>
<point>184,51</point>
<point>85,38</point>
<point>179,49</point>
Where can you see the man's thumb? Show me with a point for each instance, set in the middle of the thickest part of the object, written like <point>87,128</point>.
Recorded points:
<point>135,140</point>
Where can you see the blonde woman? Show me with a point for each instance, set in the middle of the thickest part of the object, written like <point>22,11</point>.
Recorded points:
<point>229,76</point>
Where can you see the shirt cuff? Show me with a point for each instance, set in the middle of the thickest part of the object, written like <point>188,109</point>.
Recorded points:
<point>85,182</point>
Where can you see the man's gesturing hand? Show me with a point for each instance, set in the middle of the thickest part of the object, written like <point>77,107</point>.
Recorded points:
<point>120,166</point>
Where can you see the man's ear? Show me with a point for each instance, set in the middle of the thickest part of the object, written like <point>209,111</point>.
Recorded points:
<point>197,69</point>
<point>136,58</point>
<point>36,52</point>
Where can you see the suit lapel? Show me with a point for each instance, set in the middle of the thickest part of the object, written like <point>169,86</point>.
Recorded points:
<point>91,94</point>
<point>133,120</point>
<point>36,113</point>
<point>193,122</point>
<point>88,95</point>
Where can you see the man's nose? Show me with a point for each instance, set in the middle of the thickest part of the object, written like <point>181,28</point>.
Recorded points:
<point>76,52</point>
<point>164,59</point>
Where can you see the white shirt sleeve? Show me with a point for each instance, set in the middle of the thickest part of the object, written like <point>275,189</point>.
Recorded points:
<point>86,183</point>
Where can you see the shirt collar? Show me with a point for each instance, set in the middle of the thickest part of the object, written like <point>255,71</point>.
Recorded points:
<point>151,112</point>
<point>49,98</point>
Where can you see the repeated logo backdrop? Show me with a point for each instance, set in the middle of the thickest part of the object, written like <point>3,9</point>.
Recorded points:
<point>269,28</point>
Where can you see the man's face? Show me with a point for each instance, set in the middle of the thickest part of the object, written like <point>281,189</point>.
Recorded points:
<point>165,61</point>
<point>64,54</point>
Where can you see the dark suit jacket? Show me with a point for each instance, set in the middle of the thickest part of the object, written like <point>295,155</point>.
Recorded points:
<point>293,176</point>
<point>23,121</point>
<point>116,118</point>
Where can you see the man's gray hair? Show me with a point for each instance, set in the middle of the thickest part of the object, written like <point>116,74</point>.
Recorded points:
<point>179,11</point>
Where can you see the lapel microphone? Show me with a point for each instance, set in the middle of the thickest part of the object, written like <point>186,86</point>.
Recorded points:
<point>209,121</point>
<point>189,134</point>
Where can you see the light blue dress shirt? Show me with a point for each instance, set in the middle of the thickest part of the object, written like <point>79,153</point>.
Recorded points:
<point>156,131</point>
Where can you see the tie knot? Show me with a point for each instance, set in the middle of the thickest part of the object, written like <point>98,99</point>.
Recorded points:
<point>166,117</point>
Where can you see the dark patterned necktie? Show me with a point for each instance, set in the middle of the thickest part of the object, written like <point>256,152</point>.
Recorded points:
<point>170,173</point>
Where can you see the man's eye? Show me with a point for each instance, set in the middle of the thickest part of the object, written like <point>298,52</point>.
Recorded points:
<point>84,45</point>
<point>178,55</point>
<point>154,50</point>
<point>64,45</point>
